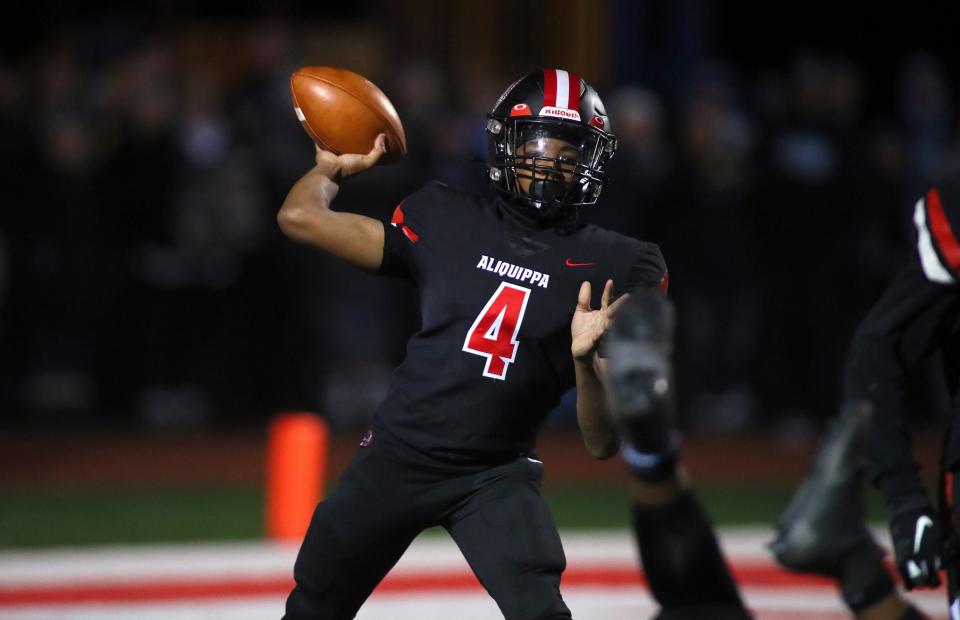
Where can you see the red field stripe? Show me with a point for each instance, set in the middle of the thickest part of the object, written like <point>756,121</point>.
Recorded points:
<point>147,591</point>
<point>154,590</point>
<point>772,576</point>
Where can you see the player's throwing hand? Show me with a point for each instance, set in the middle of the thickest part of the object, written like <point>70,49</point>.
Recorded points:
<point>338,167</point>
<point>588,325</point>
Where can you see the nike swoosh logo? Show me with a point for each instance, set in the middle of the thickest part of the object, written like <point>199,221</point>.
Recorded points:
<point>913,569</point>
<point>922,523</point>
<point>570,263</point>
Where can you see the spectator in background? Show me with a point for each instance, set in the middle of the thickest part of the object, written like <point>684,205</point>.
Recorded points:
<point>882,220</point>
<point>811,171</point>
<point>65,274</point>
<point>6,363</point>
<point>703,218</point>
<point>927,113</point>
<point>267,144</point>
<point>148,349</point>
<point>644,159</point>
<point>221,229</point>
<point>3,270</point>
<point>256,104</point>
<point>12,149</point>
<point>459,143</point>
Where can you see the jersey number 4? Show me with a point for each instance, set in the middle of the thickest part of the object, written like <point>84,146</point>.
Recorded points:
<point>494,332</point>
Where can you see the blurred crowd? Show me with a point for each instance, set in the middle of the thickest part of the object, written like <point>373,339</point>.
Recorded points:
<point>144,282</point>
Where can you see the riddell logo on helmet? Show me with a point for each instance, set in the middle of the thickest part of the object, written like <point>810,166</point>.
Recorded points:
<point>560,113</point>
<point>521,109</point>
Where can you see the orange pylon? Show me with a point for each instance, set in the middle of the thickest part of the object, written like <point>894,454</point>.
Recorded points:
<point>296,470</point>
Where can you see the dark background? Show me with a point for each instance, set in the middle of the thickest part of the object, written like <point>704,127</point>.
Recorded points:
<point>774,152</point>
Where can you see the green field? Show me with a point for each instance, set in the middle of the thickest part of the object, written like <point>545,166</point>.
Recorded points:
<point>52,517</point>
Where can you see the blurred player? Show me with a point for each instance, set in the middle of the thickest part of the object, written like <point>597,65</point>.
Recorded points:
<point>679,552</point>
<point>909,341</point>
<point>515,295</point>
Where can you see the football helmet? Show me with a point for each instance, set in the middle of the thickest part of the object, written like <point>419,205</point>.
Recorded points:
<point>549,140</point>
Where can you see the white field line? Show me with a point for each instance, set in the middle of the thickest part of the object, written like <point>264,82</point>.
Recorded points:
<point>614,603</point>
<point>254,559</point>
<point>125,564</point>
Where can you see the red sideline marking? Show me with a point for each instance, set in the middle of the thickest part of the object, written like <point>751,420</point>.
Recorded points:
<point>746,575</point>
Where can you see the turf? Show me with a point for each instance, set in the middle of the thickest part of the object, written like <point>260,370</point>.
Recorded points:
<point>51,517</point>
<point>54,517</point>
<point>605,506</point>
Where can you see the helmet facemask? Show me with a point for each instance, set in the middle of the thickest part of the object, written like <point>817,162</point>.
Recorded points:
<point>546,165</point>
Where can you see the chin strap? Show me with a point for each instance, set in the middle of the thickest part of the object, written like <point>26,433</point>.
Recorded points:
<point>563,216</point>
<point>546,190</point>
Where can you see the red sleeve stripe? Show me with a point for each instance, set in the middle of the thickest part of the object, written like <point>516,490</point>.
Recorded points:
<point>664,283</point>
<point>940,227</point>
<point>397,220</point>
<point>412,236</point>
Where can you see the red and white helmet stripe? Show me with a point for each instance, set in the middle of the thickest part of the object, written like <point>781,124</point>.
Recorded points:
<point>561,89</point>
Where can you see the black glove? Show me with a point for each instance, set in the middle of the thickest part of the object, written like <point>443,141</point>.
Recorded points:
<point>918,545</point>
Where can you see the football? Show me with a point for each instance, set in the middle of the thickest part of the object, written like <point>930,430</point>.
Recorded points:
<point>343,112</point>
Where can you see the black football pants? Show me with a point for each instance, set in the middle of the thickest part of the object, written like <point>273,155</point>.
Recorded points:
<point>389,494</point>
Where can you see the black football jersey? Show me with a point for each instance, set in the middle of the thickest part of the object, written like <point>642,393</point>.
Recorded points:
<point>497,294</point>
<point>909,344</point>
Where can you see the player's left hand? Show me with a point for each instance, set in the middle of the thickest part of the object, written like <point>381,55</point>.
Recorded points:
<point>918,546</point>
<point>588,325</point>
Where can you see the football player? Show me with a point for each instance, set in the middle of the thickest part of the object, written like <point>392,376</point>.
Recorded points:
<point>683,563</point>
<point>908,340</point>
<point>515,295</point>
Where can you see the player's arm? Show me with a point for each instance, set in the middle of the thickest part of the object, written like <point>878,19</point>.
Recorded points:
<point>910,320</point>
<point>306,215</point>
<point>586,329</point>
<point>913,318</point>
<point>649,272</point>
